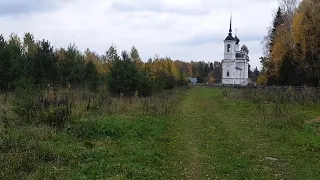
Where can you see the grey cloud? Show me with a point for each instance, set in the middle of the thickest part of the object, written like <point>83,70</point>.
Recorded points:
<point>157,7</point>
<point>202,40</point>
<point>18,7</point>
<point>217,38</point>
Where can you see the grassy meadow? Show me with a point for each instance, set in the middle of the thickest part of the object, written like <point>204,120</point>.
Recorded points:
<point>199,133</point>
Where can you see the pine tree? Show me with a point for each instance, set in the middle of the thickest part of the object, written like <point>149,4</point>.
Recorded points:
<point>278,20</point>
<point>207,68</point>
<point>91,76</point>
<point>112,54</point>
<point>72,66</point>
<point>250,73</point>
<point>123,76</point>
<point>211,66</point>
<point>256,72</point>
<point>44,64</point>
<point>19,68</point>
<point>135,57</point>
<point>5,66</point>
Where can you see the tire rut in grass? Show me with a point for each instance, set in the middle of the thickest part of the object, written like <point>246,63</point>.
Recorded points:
<point>190,118</point>
<point>194,166</point>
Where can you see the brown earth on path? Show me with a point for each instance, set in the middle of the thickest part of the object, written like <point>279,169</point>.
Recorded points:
<point>316,120</point>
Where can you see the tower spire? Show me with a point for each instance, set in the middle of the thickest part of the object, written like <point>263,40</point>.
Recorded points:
<point>236,31</point>
<point>230,29</point>
<point>230,37</point>
<point>236,37</point>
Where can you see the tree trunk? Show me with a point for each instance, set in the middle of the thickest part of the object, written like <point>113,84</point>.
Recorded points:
<point>318,79</point>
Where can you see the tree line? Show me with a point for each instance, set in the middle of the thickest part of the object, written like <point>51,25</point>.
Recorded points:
<point>292,46</point>
<point>46,66</point>
<point>124,72</point>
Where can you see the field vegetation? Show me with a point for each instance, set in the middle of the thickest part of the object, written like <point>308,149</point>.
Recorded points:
<point>200,133</point>
<point>96,136</point>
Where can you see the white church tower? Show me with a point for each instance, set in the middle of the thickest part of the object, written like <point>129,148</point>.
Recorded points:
<point>235,63</point>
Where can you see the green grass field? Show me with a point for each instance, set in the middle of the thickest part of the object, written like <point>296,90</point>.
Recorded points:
<point>205,136</point>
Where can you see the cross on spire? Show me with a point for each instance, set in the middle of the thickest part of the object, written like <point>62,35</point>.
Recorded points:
<point>236,38</point>
<point>230,30</point>
<point>230,37</point>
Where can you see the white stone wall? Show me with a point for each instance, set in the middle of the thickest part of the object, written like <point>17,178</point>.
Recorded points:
<point>232,54</point>
<point>244,72</point>
<point>227,65</point>
<point>237,47</point>
<point>236,76</point>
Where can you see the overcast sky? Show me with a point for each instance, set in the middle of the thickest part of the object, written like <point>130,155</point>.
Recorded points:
<point>181,29</point>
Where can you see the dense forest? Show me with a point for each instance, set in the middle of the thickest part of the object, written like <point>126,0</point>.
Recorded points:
<point>292,45</point>
<point>40,63</point>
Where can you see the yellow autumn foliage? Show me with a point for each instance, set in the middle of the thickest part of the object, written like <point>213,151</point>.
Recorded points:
<point>165,66</point>
<point>91,56</point>
<point>211,79</point>
<point>297,27</point>
<point>279,50</point>
<point>262,80</point>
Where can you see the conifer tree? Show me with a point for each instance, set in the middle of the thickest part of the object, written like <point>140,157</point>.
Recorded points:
<point>91,76</point>
<point>135,57</point>
<point>277,21</point>
<point>5,66</point>
<point>123,76</point>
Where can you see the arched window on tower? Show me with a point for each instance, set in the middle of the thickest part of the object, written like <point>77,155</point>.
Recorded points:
<point>228,73</point>
<point>228,47</point>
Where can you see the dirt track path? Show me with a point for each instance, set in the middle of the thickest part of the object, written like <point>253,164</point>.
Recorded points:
<point>185,130</point>
<point>213,139</point>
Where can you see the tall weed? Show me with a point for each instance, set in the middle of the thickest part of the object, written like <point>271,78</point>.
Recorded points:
<point>275,107</point>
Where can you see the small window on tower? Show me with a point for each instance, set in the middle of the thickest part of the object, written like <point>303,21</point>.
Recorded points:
<point>227,73</point>
<point>228,48</point>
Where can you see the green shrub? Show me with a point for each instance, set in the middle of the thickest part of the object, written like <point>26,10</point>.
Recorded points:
<point>54,116</point>
<point>164,81</point>
<point>24,103</point>
<point>144,85</point>
<point>91,129</point>
<point>92,76</point>
<point>182,80</point>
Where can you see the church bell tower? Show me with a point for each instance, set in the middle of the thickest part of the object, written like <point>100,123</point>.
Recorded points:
<point>229,45</point>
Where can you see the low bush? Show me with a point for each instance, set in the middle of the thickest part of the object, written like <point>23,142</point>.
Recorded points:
<point>144,85</point>
<point>90,129</point>
<point>24,103</point>
<point>54,116</point>
<point>27,107</point>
